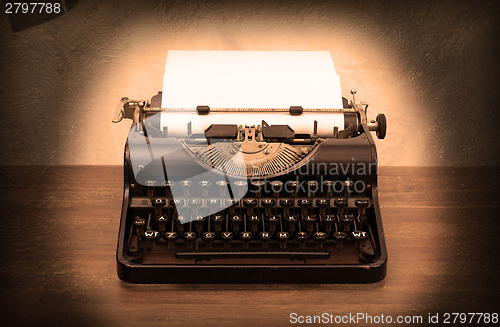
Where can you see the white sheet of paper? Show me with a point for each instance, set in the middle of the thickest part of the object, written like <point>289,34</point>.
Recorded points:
<point>251,79</point>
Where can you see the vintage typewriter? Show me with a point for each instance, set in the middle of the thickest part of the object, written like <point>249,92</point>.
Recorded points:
<point>258,203</point>
<point>250,167</point>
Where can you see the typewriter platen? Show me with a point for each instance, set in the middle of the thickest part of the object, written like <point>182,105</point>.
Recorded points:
<point>215,200</point>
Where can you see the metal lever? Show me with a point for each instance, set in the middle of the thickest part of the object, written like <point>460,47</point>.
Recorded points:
<point>128,109</point>
<point>118,116</point>
<point>353,92</point>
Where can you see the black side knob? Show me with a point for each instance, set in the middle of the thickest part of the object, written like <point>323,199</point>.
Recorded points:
<point>382,126</point>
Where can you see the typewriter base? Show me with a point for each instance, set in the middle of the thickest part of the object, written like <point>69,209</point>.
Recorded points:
<point>210,274</point>
<point>250,274</point>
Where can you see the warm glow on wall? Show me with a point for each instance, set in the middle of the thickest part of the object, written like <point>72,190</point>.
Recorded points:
<point>362,60</point>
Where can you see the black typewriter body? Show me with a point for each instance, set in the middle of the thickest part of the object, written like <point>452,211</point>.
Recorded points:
<point>304,209</point>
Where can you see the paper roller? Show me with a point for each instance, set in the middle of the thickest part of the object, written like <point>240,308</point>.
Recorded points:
<point>184,124</point>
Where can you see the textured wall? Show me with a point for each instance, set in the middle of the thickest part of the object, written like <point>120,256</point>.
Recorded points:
<point>431,67</point>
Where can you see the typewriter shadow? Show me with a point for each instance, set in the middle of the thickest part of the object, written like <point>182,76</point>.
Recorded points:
<point>251,287</point>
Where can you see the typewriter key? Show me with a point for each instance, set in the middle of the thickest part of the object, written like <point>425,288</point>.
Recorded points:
<point>236,222</point>
<point>256,187</point>
<point>140,225</point>
<point>168,188</point>
<point>348,188</point>
<point>328,188</point>
<point>282,238</point>
<point>195,205</point>
<point>177,203</point>
<point>180,220</point>
<point>312,188</point>
<point>339,237</point>
<point>190,237</point>
<point>310,220</point>
<point>150,186</point>
<point>273,221</point>
<point>322,204</point>
<point>208,237</point>
<point>286,204</point>
<point>276,187</point>
<point>227,237</point>
<point>292,187</point>
<point>151,235</point>
<point>198,223</point>
<point>158,202</point>
<point>135,243</point>
<point>340,204</point>
<point>205,186</point>
<point>162,222</point>
<point>265,237</point>
<point>245,237</point>
<point>241,188</point>
<point>250,204</point>
<point>346,220</point>
<point>214,203</point>
<point>186,185</point>
<point>291,222</point>
<point>171,237</point>
<point>254,222</point>
<point>302,237</point>
<point>362,205</point>
<point>217,222</point>
<point>329,221</point>
<point>268,204</point>
<point>222,186</point>
<point>231,205</point>
<point>359,236</point>
<point>305,204</point>
<point>320,237</point>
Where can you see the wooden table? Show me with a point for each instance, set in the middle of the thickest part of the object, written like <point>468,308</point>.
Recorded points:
<point>58,241</point>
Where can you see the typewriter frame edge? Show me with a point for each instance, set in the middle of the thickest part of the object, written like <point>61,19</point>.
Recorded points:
<point>253,274</point>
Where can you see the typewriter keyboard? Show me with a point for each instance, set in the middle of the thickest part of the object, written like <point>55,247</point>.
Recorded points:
<point>321,227</point>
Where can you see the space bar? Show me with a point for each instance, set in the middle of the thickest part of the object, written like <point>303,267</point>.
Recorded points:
<point>206,255</point>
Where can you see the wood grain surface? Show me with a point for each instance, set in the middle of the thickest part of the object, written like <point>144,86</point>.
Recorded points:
<point>58,241</point>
